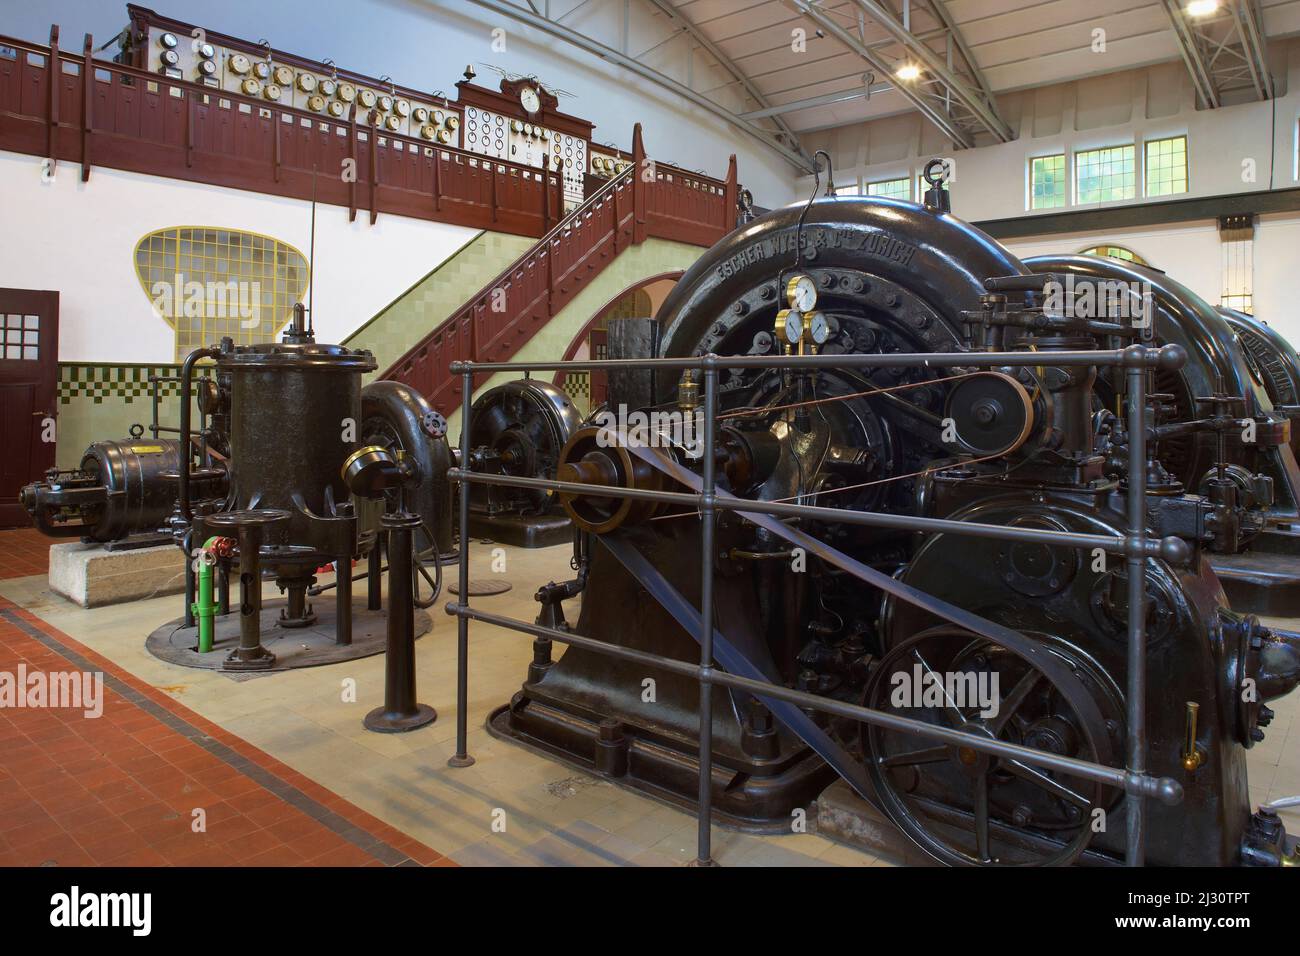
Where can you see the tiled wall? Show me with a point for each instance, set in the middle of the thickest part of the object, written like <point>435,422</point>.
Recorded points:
<point>97,402</point>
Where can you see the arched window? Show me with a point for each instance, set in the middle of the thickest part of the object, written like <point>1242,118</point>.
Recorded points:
<point>1114,252</point>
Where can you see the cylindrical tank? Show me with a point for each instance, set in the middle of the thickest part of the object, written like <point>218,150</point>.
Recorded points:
<point>295,416</point>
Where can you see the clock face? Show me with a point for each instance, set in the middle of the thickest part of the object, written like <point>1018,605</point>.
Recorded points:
<point>529,99</point>
<point>801,292</point>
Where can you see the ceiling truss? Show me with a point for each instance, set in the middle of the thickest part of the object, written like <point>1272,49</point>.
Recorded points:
<point>1224,52</point>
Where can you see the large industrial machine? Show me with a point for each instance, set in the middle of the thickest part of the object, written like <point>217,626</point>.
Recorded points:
<point>1039,446</point>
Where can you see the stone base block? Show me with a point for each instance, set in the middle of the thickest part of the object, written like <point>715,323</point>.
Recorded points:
<point>92,576</point>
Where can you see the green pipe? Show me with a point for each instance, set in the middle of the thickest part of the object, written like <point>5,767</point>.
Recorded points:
<point>205,608</point>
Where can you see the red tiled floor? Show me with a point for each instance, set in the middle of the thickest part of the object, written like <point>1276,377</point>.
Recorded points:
<point>121,789</point>
<point>25,551</point>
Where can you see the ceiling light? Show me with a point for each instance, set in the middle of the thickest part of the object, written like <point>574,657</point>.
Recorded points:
<point>908,72</point>
<point>1202,8</point>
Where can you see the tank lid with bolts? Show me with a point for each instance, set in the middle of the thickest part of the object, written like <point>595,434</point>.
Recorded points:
<point>295,355</point>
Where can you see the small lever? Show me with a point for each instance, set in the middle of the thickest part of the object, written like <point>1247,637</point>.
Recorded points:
<point>1193,754</point>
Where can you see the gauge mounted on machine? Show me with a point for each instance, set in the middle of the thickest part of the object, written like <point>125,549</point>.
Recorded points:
<point>818,328</point>
<point>801,293</point>
<point>790,326</point>
<point>238,64</point>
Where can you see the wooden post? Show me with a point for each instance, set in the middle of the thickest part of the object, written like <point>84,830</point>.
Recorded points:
<point>546,195</point>
<point>52,73</point>
<point>492,187</point>
<point>437,178</point>
<point>639,185</point>
<point>87,107</point>
<point>277,120</point>
<point>352,155</point>
<point>730,197</point>
<point>189,96</point>
<point>373,133</point>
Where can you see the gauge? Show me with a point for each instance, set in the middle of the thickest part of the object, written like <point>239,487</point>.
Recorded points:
<point>420,115</point>
<point>272,91</point>
<point>336,108</point>
<point>347,92</point>
<point>789,325</point>
<point>529,99</point>
<point>385,104</point>
<point>801,293</point>
<point>402,107</point>
<point>366,98</point>
<point>429,131</point>
<point>444,136</point>
<point>819,327</point>
<point>250,87</point>
<point>168,41</point>
<point>516,126</point>
<point>262,70</point>
<point>283,75</point>
<point>394,123</point>
<point>238,64</point>
<point>316,103</point>
<point>207,51</point>
<point>207,67</point>
<point>170,57</point>
<point>328,87</point>
<point>306,82</point>
<point>453,121</point>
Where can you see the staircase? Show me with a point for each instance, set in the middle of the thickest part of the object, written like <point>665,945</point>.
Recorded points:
<point>648,200</point>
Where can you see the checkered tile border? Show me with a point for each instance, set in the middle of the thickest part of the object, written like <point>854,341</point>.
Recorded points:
<point>120,382</point>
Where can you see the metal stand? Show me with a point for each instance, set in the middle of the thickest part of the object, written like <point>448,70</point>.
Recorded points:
<point>400,712</point>
<point>250,655</point>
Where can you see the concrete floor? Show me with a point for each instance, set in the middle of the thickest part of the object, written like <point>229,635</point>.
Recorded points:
<point>551,814</point>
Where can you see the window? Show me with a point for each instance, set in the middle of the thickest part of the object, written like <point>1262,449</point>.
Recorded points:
<point>1166,171</point>
<point>891,188</point>
<point>1047,182</point>
<point>850,189</point>
<point>1105,175</point>
<point>922,187</point>
<point>1115,252</point>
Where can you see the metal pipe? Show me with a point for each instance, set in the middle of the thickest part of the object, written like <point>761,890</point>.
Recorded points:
<point>1166,789</point>
<point>1167,357</point>
<point>1172,549</point>
<point>1137,614</point>
<point>373,597</point>
<point>461,757</point>
<point>343,600</point>
<point>708,523</point>
<point>187,372</point>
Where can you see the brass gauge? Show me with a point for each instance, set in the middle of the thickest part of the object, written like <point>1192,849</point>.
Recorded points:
<point>453,121</point>
<point>316,103</point>
<point>272,91</point>
<point>262,70</point>
<point>429,131</point>
<point>444,136</point>
<point>328,88</point>
<point>801,293</point>
<point>789,326</point>
<point>819,328</point>
<point>420,115</point>
<point>366,98</point>
<point>394,123</point>
<point>385,104</point>
<point>238,64</point>
<point>516,126</point>
<point>283,76</point>
<point>306,82</point>
<point>250,87</point>
<point>336,108</point>
<point>347,92</point>
<point>402,107</point>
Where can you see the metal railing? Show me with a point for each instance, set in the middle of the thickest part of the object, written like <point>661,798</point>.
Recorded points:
<point>1137,360</point>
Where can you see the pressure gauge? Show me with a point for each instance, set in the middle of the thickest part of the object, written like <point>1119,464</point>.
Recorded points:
<point>529,99</point>
<point>316,103</point>
<point>283,75</point>
<point>238,64</point>
<point>170,57</point>
<point>789,326</point>
<point>429,131</point>
<point>516,126</point>
<point>801,293</point>
<point>272,91</point>
<point>819,328</point>
<point>250,87</point>
<point>402,107</point>
<point>385,104</point>
<point>328,87</point>
<point>336,108</point>
<point>347,92</point>
<point>167,41</point>
<point>420,115</point>
<point>394,123</point>
<point>306,82</point>
<point>207,51</point>
<point>366,98</point>
<point>262,70</point>
<point>207,67</point>
<point>444,136</point>
<point>453,121</point>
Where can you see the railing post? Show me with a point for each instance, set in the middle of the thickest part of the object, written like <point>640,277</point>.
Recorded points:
<point>730,197</point>
<point>87,109</point>
<point>638,186</point>
<point>1135,817</point>
<point>708,520</point>
<point>461,757</point>
<point>52,74</point>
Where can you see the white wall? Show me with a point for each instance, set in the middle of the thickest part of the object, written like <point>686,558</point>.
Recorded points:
<point>79,239</point>
<point>426,44</point>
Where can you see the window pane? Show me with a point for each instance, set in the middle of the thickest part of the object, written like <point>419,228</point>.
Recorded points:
<point>1167,166</point>
<point>1105,175</point>
<point>1047,182</point>
<point>890,188</point>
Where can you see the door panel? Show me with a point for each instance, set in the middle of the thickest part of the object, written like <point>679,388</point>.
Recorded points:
<point>29,372</point>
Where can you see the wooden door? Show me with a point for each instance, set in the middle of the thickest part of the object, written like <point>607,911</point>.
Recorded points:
<point>29,374</point>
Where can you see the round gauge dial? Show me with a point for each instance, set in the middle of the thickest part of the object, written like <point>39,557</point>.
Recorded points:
<point>262,70</point>
<point>283,75</point>
<point>168,41</point>
<point>306,82</point>
<point>516,126</point>
<point>429,131</point>
<point>420,115</point>
<point>789,325</point>
<point>207,51</point>
<point>394,123</point>
<point>328,87</point>
<point>444,136</point>
<point>801,293</point>
<point>238,64</point>
<point>453,121</point>
<point>170,57</point>
<point>251,87</point>
<point>272,91</point>
<point>529,99</point>
<point>207,67</point>
<point>402,108</point>
<point>316,103</point>
<point>819,327</point>
<point>347,92</point>
<point>336,108</point>
<point>366,98</point>
<point>385,103</point>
